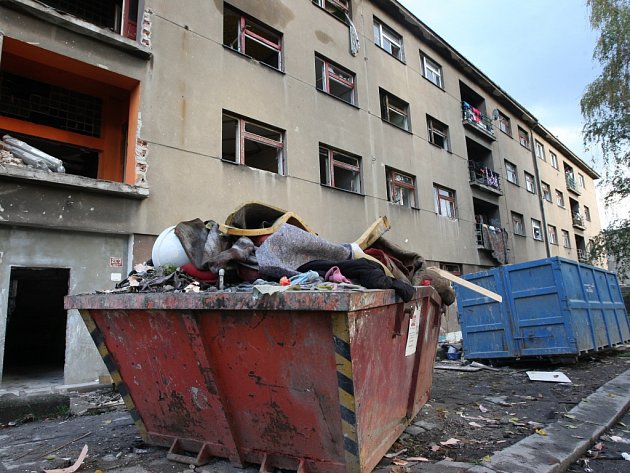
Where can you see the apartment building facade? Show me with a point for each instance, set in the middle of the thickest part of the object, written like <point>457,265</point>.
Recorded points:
<point>339,110</point>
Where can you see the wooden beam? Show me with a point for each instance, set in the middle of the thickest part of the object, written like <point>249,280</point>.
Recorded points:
<point>467,284</point>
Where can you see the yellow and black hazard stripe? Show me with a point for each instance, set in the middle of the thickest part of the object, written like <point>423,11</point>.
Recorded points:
<point>121,386</point>
<point>345,382</point>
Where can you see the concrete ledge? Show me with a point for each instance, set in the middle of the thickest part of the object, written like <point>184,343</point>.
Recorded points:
<point>13,407</point>
<point>567,439</point>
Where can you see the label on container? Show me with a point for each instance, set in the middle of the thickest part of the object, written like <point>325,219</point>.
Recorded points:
<point>412,334</point>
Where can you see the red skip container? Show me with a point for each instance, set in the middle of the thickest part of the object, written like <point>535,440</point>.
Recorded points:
<point>318,382</point>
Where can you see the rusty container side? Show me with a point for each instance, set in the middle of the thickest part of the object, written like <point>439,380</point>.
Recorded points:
<point>314,382</point>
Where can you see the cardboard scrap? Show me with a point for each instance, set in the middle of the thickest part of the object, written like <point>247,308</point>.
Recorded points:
<point>73,468</point>
<point>549,376</point>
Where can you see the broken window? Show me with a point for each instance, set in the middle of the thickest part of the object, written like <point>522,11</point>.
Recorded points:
<point>252,144</point>
<point>394,110</point>
<point>512,172</point>
<point>401,188</point>
<point>388,39</point>
<point>552,234</point>
<point>337,8</point>
<point>339,169</point>
<point>119,16</point>
<point>518,223</point>
<point>546,191</point>
<point>536,230</point>
<point>432,71</point>
<point>554,160</point>
<point>83,115</point>
<point>529,183</point>
<point>559,198</point>
<point>539,150</point>
<point>252,38</point>
<point>438,133</point>
<point>445,203</point>
<point>334,80</point>
<point>504,123</point>
<point>566,239</point>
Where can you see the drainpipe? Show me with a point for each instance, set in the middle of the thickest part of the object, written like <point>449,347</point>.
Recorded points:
<point>541,200</point>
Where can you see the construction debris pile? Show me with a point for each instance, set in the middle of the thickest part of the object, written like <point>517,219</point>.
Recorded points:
<point>18,153</point>
<point>263,249</point>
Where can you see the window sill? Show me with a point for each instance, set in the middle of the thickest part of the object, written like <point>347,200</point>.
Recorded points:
<point>540,240</point>
<point>439,147</point>
<point>402,61</point>
<point>256,61</point>
<point>326,186</point>
<point>79,26</point>
<point>396,126</point>
<point>403,206</point>
<point>522,235</point>
<point>531,192</point>
<point>505,133</point>
<point>513,183</point>
<point>334,97</point>
<point>433,83</point>
<point>44,178</point>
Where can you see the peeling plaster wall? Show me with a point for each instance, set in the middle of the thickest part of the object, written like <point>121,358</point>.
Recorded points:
<point>87,255</point>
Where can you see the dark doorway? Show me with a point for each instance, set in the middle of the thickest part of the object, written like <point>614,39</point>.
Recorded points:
<point>36,321</point>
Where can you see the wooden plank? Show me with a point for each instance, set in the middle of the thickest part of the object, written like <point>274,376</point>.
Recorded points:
<point>467,284</point>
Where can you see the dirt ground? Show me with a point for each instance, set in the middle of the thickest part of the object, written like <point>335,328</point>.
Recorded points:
<point>470,415</point>
<point>478,413</point>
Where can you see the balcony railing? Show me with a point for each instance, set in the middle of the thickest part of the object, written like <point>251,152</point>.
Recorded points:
<point>582,256</point>
<point>578,221</point>
<point>572,183</point>
<point>484,176</point>
<point>476,118</point>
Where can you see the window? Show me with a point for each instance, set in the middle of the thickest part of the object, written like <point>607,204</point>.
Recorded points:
<point>252,144</point>
<point>115,15</point>
<point>536,229</point>
<point>552,234</point>
<point>394,110</point>
<point>546,191</point>
<point>334,80</point>
<point>504,124</point>
<point>587,213</point>
<point>559,198</point>
<point>539,150</point>
<point>250,37</point>
<point>81,119</point>
<point>337,8</point>
<point>581,181</point>
<point>438,133</point>
<point>401,188</point>
<point>518,223</point>
<point>512,172</point>
<point>453,268</point>
<point>523,137</point>
<point>529,183</point>
<point>340,170</point>
<point>566,239</point>
<point>444,199</point>
<point>388,39</point>
<point>432,71</point>
<point>554,159</point>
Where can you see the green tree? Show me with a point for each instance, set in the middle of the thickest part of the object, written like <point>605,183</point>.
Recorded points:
<point>606,111</point>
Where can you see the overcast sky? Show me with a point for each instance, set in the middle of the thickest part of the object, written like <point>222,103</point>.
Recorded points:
<point>538,51</point>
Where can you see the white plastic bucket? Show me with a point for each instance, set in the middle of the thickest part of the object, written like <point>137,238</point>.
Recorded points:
<point>167,249</point>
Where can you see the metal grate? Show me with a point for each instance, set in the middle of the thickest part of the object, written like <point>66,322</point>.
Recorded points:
<point>45,104</point>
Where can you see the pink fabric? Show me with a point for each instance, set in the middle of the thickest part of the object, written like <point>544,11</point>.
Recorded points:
<point>334,275</point>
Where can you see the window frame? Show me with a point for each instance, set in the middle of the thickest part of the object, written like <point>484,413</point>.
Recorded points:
<point>554,160</point>
<point>502,120</point>
<point>432,130</point>
<point>552,234</point>
<point>450,200</point>
<point>243,135</point>
<point>546,191</point>
<point>521,223</point>
<point>332,163</point>
<point>524,138</point>
<point>434,68</point>
<point>581,181</point>
<point>530,181</point>
<point>393,184</point>
<point>385,99</point>
<point>337,7</point>
<point>539,150</point>
<point>514,173</point>
<point>587,213</point>
<point>243,33</point>
<point>537,225</point>
<point>560,202</point>
<point>388,33</point>
<point>324,70</point>
<point>566,238</point>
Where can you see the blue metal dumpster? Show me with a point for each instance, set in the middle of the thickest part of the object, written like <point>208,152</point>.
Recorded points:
<point>550,307</point>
